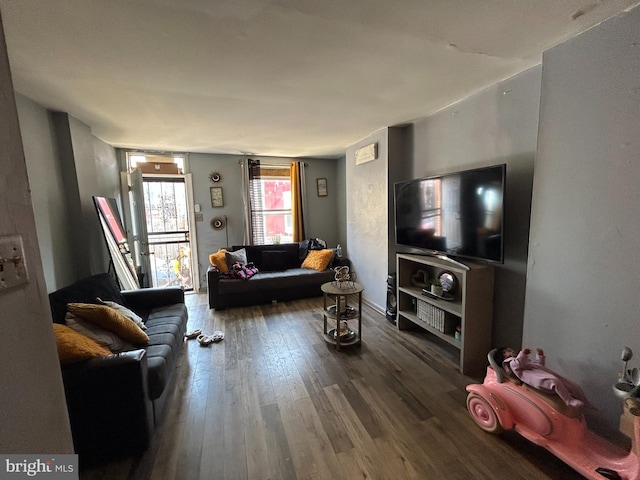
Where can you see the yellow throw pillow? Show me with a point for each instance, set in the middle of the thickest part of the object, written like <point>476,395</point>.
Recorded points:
<point>75,347</point>
<point>219,260</point>
<point>110,319</point>
<point>318,259</point>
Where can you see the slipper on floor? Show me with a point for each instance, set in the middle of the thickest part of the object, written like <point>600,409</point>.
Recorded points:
<point>193,334</point>
<point>205,340</point>
<point>217,336</point>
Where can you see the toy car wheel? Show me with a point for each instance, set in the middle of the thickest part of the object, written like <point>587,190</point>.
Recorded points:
<point>482,413</point>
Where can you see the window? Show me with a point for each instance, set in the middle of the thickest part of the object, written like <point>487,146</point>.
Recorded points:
<point>270,194</point>
<point>156,162</point>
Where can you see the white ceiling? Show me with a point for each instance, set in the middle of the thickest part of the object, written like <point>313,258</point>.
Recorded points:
<point>273,77</point>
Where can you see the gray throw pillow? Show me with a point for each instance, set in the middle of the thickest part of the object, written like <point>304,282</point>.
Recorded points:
<point>237,256</point>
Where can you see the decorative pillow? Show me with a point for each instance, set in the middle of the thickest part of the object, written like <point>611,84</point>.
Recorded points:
<point>74,347</point>
<point>239,256</point>
<point>104,337</point>
<point>219,260</point>
<point>125,311</point>
<point>318,259</point>
<point>240,271</point>
<point>110,319</point>
<point>274,260</point>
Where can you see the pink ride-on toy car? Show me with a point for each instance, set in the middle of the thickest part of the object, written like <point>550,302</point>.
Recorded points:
<point>503,403</point>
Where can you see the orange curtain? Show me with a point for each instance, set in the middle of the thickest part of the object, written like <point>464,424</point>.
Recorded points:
<point>297,201</point>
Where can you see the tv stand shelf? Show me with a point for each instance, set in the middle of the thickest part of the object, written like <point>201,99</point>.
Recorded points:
<point>470,309</point>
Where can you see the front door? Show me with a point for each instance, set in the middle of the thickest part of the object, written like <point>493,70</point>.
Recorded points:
<point>168,234</point>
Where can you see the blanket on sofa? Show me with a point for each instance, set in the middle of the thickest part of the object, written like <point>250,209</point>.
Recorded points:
<point>241,271</point>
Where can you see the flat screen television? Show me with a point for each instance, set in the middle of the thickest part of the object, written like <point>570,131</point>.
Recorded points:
<point>459,214</point>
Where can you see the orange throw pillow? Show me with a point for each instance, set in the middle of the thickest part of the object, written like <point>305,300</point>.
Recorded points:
<point>110,319</point>
<point>318,259</point>
<point>219,260</point>
<point>75,347</point>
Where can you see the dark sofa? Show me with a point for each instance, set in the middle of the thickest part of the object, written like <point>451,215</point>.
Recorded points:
<point>114,402</point>
<point>279,278</point>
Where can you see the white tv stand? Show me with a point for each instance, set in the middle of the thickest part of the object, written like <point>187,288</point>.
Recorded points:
<point>470,308</point>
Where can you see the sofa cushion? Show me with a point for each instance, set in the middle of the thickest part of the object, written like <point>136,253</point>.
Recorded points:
<point>86,290</point>
<point>101,335</point>
<point>167,311</point>
<point>290,278</point>
<point>239,256</point>
<point>318,259</point>
<point>75,347</point>
<point>166,329</point>
<point>274,260</point>
<point>255,253</point>
<point>159,362</point>
<point>110,319</point>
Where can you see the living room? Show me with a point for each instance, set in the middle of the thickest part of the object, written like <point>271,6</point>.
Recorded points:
<point>567,130</point>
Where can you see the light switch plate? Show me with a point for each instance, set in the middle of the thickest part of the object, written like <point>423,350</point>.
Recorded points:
<point>13,265</point>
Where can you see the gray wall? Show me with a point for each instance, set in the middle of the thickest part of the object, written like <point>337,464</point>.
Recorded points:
<point>322,212</point>
<point>32,402</point>
<point>497,125</point>
<point>47,190</point>
<point>584,256</point>
<point>369,200</point>
<point>75,146</point>
<point>67,165</point>
<point>368,219</point>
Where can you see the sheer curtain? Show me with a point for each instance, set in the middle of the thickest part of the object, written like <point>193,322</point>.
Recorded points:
<point>298,196</point>
<point>250,170</point>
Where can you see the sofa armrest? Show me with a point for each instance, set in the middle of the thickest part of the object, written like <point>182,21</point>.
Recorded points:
<point>146,299</point>
<point>132,359</point>
<point>213,277</point>
<point>109,406</point>
<point>213,273</point>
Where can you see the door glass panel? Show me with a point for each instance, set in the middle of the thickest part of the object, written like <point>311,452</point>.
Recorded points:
<point>168,232</point>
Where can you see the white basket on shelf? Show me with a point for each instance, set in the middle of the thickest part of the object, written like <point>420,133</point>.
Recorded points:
<point>431,315</point>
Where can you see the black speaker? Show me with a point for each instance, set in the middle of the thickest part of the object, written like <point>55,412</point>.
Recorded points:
<point>392,303</point>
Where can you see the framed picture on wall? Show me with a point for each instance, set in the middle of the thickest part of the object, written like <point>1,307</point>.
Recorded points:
<point>216,197</point>
<point>322,187</point>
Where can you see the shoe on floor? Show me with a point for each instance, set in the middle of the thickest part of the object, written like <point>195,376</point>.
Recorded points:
<point>217,336</point>
<point>193,334</point>
<point>205,340</point>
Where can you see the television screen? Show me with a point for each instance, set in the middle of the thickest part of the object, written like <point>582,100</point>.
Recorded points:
<point>457,214</point>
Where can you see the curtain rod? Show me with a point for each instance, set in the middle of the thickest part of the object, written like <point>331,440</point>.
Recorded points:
<point>240,162</point>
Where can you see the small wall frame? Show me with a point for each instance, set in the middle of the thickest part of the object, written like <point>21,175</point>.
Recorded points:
<point>216,197</point>
<point>321,184</point>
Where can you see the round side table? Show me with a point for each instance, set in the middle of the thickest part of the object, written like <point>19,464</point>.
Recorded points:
<point>340,300</point>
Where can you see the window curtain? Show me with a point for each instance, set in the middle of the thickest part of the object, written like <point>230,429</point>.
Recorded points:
<point>250,172</point>
<point>298,201</point>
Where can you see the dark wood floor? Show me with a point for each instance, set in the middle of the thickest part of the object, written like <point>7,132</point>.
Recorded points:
<point>274,401</point>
